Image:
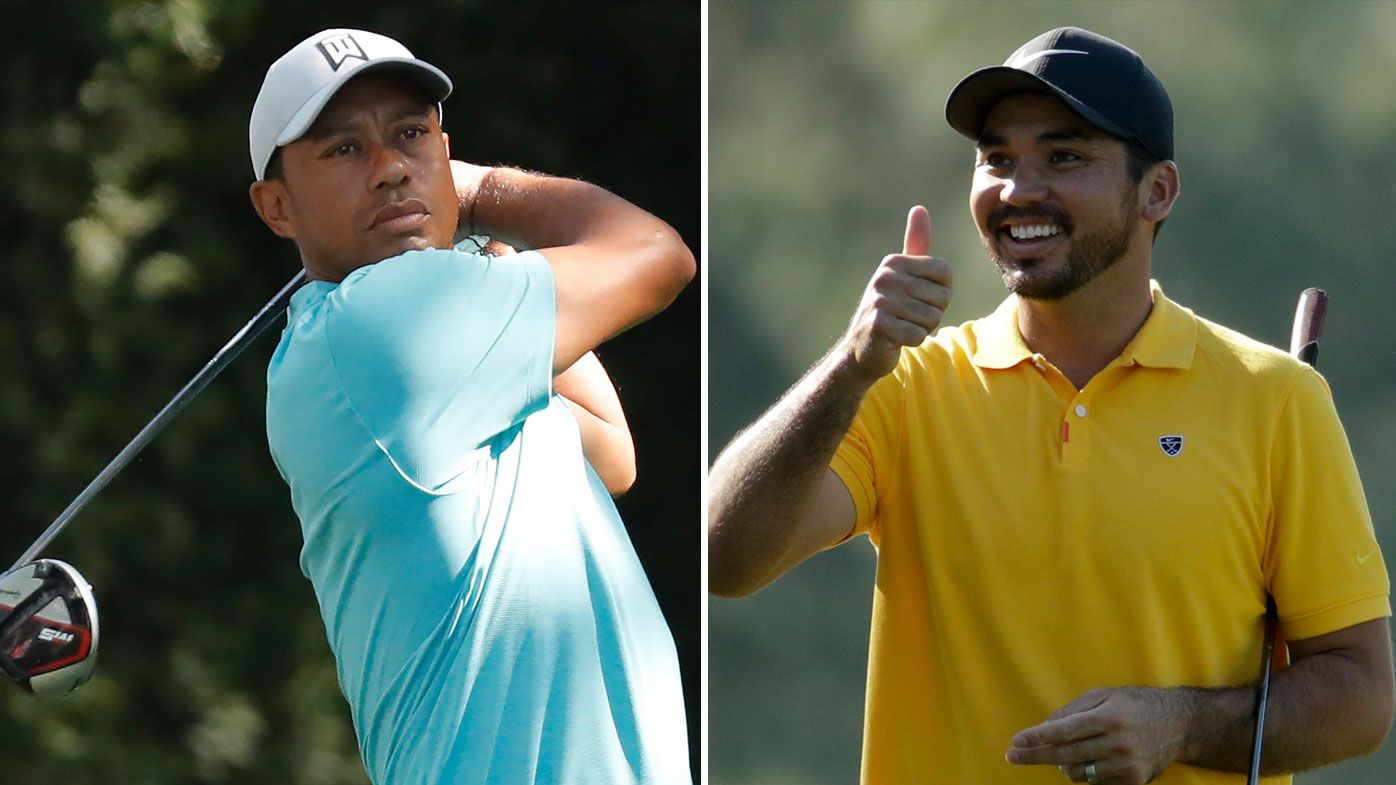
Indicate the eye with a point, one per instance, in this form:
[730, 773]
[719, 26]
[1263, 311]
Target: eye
[996, 160]
[414, 133]
[343, 148]
[1064, 157]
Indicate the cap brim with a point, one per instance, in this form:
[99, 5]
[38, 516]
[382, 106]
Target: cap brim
[437, 84]
[976, 95]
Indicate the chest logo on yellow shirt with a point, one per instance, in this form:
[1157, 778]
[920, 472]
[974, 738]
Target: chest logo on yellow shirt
[1171, 445]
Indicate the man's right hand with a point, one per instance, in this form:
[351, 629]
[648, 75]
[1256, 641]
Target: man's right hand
[773, 499]
[904, 303]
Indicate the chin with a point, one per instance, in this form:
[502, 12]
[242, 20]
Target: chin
[407, 243]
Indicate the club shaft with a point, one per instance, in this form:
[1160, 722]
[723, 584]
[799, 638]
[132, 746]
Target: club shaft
[240, 341]
[1262, 698]
[1303, 344]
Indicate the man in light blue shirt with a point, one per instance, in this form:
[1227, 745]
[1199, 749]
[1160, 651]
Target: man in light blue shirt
[490, 620]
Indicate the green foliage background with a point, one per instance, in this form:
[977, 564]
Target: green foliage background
[827, 123]
[131, 253]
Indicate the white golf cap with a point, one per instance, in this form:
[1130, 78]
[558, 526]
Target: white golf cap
[302, 82]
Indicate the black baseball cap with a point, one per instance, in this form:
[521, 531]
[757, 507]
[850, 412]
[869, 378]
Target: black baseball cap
[1102, 80]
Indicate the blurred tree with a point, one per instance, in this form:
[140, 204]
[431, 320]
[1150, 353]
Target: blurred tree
[826, 122]
[132, 253]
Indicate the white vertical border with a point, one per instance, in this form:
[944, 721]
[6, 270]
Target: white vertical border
[704, 261]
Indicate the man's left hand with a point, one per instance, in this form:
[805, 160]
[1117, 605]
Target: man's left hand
[1131, 734]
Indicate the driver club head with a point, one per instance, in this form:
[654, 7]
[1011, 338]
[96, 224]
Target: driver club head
[48, 627]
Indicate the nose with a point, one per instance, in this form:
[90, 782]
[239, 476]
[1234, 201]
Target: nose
[389, 167]
[1023, 186]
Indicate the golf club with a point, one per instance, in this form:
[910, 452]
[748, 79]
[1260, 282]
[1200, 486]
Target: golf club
[48, 614]
[48, 628]
[1303, 344]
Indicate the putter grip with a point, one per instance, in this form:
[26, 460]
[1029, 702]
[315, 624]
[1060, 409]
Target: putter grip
[1308, 324]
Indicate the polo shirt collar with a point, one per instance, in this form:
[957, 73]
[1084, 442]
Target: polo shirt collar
[998, 344]
[308, 295]
[1167, 339]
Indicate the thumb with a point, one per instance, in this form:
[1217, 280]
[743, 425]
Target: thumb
[918, 232]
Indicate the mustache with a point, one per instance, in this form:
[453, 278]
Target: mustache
[1046, 213]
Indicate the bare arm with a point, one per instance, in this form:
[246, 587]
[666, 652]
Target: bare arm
[605, 434]
[1332, 703]
[614, 265]
[1340, 682]
[773, 500]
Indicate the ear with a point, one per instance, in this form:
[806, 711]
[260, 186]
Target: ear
[272, 203]
[1160, 190]
[446, 140]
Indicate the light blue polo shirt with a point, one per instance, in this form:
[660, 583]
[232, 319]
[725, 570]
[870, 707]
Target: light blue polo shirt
[489, 617]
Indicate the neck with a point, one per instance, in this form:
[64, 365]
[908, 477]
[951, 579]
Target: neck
[1086, 330]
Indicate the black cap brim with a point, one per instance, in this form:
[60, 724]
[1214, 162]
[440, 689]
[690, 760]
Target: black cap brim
[976, 95]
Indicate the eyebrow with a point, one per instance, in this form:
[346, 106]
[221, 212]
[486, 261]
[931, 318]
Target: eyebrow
[1063, 135]
[324, 128]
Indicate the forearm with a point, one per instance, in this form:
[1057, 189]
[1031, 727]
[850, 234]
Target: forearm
[614, 265]
[763, 485]
[1332, 703]
[606, 439]
[1322, 710]
[531, 210]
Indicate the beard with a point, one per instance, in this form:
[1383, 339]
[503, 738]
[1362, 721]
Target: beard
[1091, 254]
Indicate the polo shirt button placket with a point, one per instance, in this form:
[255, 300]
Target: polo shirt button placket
[1075, 433]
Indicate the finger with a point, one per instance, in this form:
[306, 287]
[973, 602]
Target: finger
[907, 308]
[1088, 700]
[918, 232]
[900, 331]
[928, 292]
[1063, 730]
[1076, 772]
[1082, 752]
[929, 268]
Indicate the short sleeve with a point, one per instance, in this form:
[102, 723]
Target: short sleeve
[1325, 568]
[440, 351]
[864, 458]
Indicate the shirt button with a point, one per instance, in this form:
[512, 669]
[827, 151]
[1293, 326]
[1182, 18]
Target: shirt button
[1080, 410]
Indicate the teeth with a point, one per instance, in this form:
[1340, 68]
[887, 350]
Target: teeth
[1028, 232]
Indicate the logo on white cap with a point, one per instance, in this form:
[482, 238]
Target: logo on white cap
[301, 82]
[338, 48]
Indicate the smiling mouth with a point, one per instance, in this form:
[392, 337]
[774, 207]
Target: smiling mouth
[1032, 232]
[1027, 241]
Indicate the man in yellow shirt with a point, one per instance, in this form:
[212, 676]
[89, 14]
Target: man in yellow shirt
[1081, 501]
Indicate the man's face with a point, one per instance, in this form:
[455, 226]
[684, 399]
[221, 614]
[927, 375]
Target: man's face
[1051, 196]
[369, 180]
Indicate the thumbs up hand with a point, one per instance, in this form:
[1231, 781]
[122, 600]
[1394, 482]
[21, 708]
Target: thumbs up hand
[904, 303]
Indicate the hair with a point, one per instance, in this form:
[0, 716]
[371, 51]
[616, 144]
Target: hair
[1138, 159]
[274, 170]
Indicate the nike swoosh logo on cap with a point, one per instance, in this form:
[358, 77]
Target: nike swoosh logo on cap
[1019, 62]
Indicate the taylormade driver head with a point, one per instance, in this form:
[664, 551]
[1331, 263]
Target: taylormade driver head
[48, 627]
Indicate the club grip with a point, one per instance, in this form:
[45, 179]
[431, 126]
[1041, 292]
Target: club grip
[1308, 324]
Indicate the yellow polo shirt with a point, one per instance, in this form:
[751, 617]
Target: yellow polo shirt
[1035, 541]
